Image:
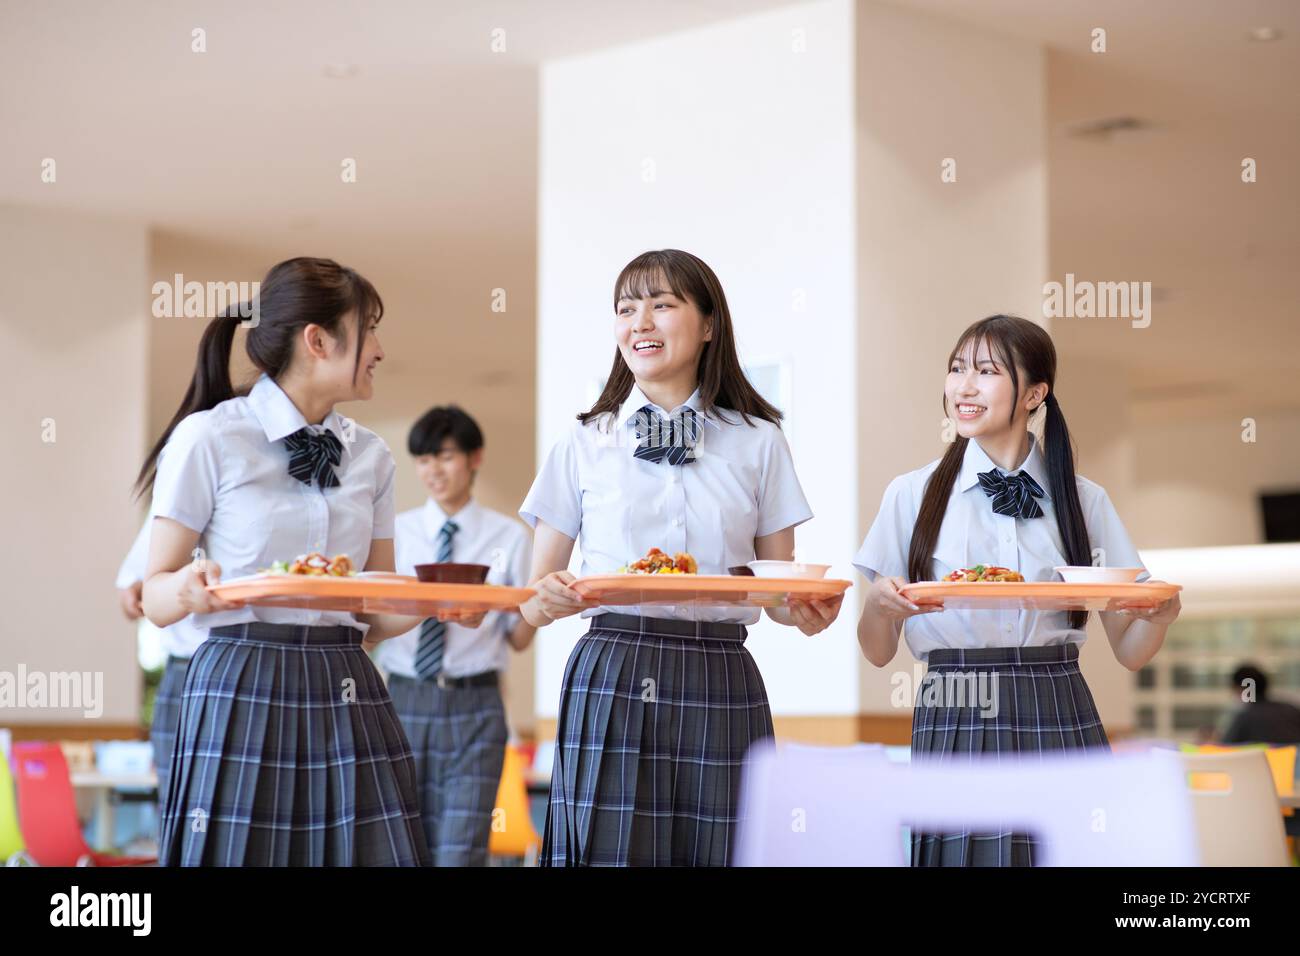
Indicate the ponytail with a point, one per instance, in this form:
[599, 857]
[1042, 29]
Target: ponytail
[1064, 489]
[209, 387]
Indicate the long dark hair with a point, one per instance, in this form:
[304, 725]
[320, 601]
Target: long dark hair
[722, 381]
[295, 293]
[1016, 345]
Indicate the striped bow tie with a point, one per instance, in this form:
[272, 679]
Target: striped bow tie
[666, 439]
[1013, 495]
[313, 457]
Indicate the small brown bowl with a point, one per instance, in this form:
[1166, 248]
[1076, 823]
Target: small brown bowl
[741, 571]
[451, 573]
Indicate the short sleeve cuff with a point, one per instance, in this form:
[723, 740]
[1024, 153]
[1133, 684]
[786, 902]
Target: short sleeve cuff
[781, 522]
[533, 511]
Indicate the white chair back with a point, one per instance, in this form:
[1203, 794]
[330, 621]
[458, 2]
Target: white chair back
[806, 807]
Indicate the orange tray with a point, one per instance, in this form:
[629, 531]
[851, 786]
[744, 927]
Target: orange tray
[373, 595]
[616, 590]
[1039, 595]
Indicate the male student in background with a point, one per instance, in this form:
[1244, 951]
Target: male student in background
[444, 678]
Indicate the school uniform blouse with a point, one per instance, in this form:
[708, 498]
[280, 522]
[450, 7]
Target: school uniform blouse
[181, 639]
[741, 486]
[225, 474]
[483, 536]
[972, 533]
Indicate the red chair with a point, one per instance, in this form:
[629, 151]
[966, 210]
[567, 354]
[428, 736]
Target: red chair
[47, 811]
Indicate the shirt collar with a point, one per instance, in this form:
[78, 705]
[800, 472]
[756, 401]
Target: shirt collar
[636, 401]
[279, 416]
[976, 460]
[466, 518]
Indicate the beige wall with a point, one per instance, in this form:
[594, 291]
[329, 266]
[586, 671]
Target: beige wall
[934, 256]
[1198, 482]
[72, 330]
[1150, 425]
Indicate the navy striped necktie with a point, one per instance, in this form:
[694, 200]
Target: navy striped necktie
[1013, 495]
[433, 632]
[666, 439]
[313, 456]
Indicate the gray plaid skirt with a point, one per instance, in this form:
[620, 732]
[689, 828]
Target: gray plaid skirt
[288, 753]
[998, 700]
[655, 719]
[167, 714]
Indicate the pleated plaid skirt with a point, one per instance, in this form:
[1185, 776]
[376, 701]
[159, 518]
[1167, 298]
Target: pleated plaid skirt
[998, 700]
[655, 719]
[167, 714]
[289, 753]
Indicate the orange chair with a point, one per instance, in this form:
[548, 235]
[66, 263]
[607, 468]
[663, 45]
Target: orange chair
[47, 811]
[513, 834]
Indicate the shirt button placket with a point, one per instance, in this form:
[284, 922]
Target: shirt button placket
[1008, 557]
[677, 503]
[320, 522]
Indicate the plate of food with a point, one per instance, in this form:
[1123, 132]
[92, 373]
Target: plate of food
[661, 578]
[993, 587]
[986, 572]
[315, 564]
[658, 562]
[332, 584]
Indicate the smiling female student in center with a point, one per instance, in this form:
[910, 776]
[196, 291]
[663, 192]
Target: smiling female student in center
[659, 704]
[997, 498]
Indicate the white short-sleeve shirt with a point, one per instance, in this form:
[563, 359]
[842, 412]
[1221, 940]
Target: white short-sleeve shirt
[225, 474]
[181, 639]
[741, 486]
[972, 533]
[486, 537]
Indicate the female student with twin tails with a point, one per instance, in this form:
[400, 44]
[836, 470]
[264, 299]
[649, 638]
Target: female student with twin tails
[659, 704]
[997, 498]
[288, 750]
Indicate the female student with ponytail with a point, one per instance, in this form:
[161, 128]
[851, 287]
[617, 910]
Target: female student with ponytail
[659, 704]
[997, 498]
[288, 750]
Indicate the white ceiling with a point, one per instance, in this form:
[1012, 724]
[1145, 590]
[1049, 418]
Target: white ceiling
[443, 129]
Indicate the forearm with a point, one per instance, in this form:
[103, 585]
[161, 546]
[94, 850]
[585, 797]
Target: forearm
[533, 614]
[160, 598]
[1138, 643]
[521, 635]
[878, 637]
[780, 614]
[384, 626]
